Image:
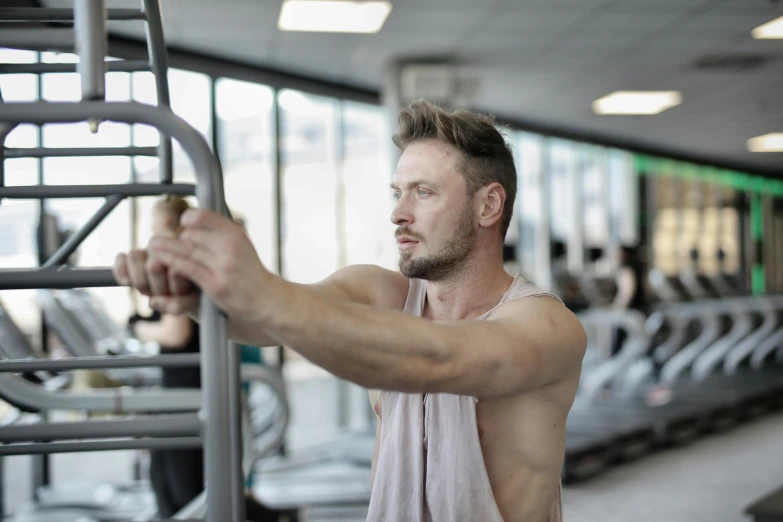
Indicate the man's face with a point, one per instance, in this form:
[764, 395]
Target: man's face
[435, 218]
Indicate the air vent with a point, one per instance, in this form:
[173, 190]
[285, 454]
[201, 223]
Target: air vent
[730, 62]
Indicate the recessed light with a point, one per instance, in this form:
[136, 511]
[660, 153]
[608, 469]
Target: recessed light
[637, 102]
[772, 142]
[771, 30]
[333, 16]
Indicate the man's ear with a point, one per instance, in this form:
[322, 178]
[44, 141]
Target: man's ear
[493, 201]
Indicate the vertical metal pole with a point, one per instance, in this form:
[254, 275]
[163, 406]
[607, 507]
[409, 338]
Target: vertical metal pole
[235, 420]
[217, 418]
[159, 65]
[215, 135]
[41, 475]
[279, 210]
[90, 26]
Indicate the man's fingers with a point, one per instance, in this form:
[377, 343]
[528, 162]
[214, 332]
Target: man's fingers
[157, 275]
[170, 305]
[182, 248]
[179, 285]
[120, 270]
[202, 219]
[187, 268]
[200, 242]
[136, 270]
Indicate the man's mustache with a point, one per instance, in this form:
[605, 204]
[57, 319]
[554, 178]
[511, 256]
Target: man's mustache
[407, 233]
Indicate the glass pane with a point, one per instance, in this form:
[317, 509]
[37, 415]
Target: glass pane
[367, 171]
[247, 147]
[595, 193]
[190, 99]
[530, 195]
[310, 239]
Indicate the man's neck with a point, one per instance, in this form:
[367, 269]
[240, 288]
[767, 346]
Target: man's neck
[469, 294]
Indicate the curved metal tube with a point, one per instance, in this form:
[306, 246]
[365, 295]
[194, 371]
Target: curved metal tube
[712, 356]
[634, 349]
[118, 400]
[772, 343]
[745, 348]
[683, 359]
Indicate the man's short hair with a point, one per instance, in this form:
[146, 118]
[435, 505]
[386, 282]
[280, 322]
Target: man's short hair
[487, 156]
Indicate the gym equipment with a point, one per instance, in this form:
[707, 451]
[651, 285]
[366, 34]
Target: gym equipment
[222, 433]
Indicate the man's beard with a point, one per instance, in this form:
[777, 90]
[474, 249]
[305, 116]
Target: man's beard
[443, 264]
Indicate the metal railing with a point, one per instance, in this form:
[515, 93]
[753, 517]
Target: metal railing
[219, 423]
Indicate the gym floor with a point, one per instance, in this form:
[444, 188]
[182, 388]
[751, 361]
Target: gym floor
[713, 479]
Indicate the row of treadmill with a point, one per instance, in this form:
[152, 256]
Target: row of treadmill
[701, 360]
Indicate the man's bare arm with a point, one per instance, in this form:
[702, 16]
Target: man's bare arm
[526, 344]
[360, 284]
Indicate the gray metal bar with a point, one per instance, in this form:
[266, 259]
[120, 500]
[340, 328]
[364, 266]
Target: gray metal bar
[101, 445]
[56, 279]
[235, 420]
[218, 454]
[63, 152]
[182, 425]
[54, 14]
[24, 394]
[209, 192]
[159, 63]
[38, 39]
[95, 191]
[73, 242]
[91, 46]
[44, 68]
[184, 360]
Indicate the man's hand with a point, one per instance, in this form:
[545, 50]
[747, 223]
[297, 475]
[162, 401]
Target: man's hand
[171, 293]
[216, 255]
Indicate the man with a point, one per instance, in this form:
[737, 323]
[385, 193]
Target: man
[478, 372]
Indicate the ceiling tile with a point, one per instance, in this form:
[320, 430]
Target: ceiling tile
[540, 23]
[722, 24]
[555, 6]
[636, 24]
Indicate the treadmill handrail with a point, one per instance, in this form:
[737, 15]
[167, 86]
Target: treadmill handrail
[769, 309]
[711, 357]
[634, 349]
[683, 359]
[770, 344]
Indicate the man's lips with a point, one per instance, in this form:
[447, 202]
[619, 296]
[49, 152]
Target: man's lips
[406, 242]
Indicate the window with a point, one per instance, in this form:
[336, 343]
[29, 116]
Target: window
[366, 173]
[309, 169]
[246, 148]
[596, 196]
[533, 231]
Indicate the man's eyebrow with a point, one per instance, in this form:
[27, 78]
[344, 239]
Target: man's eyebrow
[410, 184]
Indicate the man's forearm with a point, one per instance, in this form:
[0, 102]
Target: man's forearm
[371, 347]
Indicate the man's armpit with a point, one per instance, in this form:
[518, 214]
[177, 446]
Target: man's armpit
[375, 402]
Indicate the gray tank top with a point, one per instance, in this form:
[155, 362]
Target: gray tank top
[430, 466]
